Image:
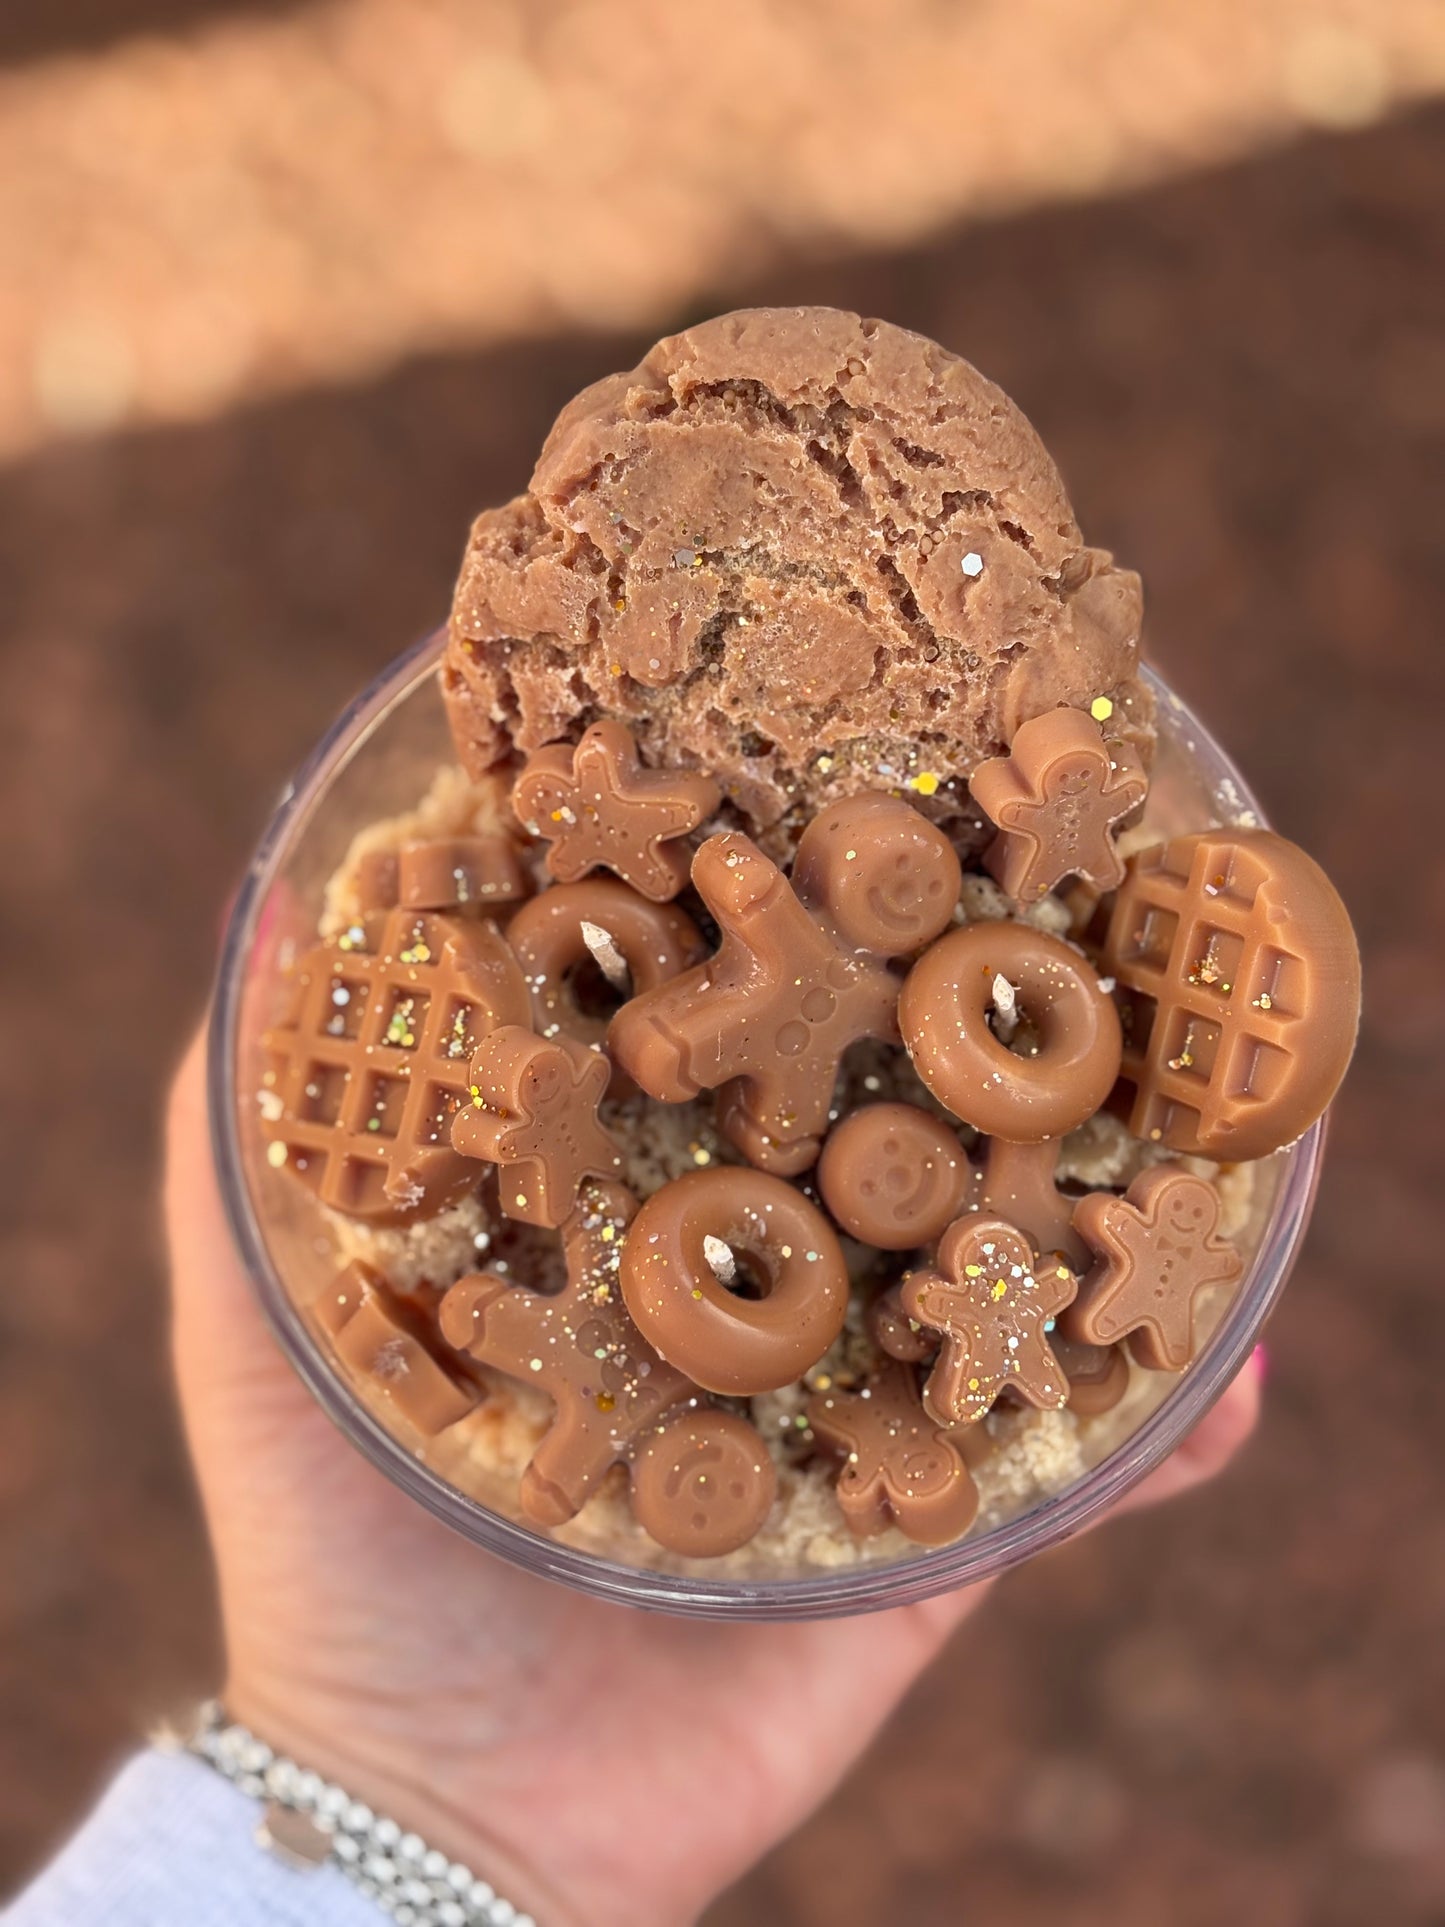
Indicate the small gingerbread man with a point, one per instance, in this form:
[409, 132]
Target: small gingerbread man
[601, 809]
[1156, 1249]
[991, 1302]
[534, 1113]
[1057, 799]
[802, 973]
[899, 1467]
[580, 1347]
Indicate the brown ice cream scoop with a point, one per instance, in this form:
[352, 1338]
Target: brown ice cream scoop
[600, 809]
[1019, 1183]
[636, 945]
[384, 1343]
[365, 1076]
[893, 1176]
[990, 1300]
[703, 1483]
[899, 1467]
[945, 1013]
[1057, 799]
[580, 1347]
[790, 548]
[533, 1112]
[1245, 982]
[724, 1225]
[1156, 1249]
[802, 973]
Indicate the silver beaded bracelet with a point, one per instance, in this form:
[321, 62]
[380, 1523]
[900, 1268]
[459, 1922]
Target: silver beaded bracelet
[307, 1823]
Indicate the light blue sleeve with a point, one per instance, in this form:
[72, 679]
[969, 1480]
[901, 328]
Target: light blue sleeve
[171, 1845]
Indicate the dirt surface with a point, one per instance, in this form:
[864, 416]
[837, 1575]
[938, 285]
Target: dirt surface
[204, 217]
[1236, 1710]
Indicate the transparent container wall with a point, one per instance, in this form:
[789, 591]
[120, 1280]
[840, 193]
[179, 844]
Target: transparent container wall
[378, 761]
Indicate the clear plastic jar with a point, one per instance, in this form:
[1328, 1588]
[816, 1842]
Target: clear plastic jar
[377, 760]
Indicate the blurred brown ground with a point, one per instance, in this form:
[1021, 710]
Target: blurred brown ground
[1232, 1711]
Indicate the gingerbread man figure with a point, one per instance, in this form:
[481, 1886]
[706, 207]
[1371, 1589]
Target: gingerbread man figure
[601, 809]
[534, 1114]
[1057, 799]
[802, 973]
[991, 1301]
[899, 1467]
[580, 1347]
[1157, 1248]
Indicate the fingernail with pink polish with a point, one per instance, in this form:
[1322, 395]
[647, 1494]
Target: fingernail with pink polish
[1259, 1359]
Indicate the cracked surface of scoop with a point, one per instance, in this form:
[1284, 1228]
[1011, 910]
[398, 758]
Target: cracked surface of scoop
[804, 552]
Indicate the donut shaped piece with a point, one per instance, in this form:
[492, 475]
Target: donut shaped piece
[724, 1342]
[703, 1483]
[944, 1016]
[894, 1176]
[657, 942]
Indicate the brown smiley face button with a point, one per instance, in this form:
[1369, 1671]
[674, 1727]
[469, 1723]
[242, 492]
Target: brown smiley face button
[945, 1013]
[601, 809]
[1158, 1247]
[679, 1251]
[893, 1176]
[702, 1483]
[1057, 799]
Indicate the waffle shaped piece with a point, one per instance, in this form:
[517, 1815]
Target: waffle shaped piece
[365, 1075]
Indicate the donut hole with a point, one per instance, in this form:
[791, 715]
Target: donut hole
[1019, 1034]
[752, 1278]
[591, 993]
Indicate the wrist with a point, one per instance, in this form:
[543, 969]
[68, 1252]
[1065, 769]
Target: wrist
[387, 1775]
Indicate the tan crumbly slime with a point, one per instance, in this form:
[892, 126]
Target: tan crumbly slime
[1031, 1454]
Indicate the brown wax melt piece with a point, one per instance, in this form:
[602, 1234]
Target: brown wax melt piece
[1098, 1375]
[703, 1483]
[580, 1347]
[653, 942]
[990, 1300]
[600, 809]
[895, 1333]
[455, 872]
[899, 1467]
[365, 1077]
[802, 973]
[893, 1176]
[789, 548]
[1157, 1248]
[1243, 953]
[534, 1113]
[1018, 1183]
[776, 1240]
[378, 881]
[1057, 799]
[945, 1011]
[371, 1332]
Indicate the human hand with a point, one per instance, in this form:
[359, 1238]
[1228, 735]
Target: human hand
[594, 1762]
